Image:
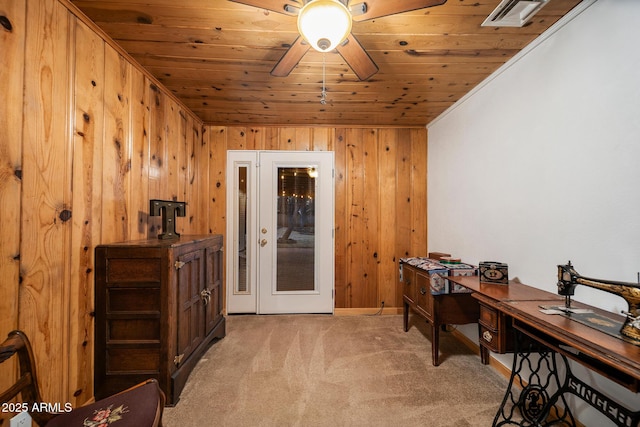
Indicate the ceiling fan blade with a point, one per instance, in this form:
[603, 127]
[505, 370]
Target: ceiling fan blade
[377, 8]
[357, 58]
[287, 7]
[291, 58]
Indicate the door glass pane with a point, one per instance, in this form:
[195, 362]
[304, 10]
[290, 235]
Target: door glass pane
[242, 281]
[296, 229]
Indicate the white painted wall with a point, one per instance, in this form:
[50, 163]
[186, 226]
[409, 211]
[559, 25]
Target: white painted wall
[541, 165]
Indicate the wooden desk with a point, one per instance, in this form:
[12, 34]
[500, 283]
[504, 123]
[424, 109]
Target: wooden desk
[494, 329]
[561, 338]
[437, 309]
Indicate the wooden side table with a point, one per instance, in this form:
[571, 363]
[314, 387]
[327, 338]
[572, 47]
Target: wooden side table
[437, 309]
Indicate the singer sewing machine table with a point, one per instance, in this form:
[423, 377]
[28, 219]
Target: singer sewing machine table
[557, 339]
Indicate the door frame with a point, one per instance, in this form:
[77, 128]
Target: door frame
[252, 300]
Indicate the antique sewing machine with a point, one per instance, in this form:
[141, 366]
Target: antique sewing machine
[568, 279]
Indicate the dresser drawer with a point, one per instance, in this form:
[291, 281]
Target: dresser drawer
[495, 332]
[491, 339]
[424, 299]
[489, 317]
[408, 283]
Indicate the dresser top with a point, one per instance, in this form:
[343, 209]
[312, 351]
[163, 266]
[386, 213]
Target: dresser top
[166, 243]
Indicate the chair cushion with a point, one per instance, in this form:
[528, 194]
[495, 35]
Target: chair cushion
[137, 407]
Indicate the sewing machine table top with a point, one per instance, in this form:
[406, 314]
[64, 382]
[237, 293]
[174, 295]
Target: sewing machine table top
[618, 359]
[580, 341]
[514, 291]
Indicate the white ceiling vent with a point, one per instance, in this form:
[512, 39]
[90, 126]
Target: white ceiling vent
[513, 13]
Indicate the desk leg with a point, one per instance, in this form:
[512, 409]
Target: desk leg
[435, 347]
[405, 316]
[532, 405]
[484, 355]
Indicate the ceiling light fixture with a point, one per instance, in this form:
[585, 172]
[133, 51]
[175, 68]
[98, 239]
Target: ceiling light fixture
[324, 24]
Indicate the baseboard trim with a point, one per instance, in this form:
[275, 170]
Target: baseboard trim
[366, 311]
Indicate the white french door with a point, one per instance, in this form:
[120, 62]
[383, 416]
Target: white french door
[280, 243]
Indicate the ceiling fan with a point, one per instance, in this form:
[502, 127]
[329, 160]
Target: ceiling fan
[317, 19]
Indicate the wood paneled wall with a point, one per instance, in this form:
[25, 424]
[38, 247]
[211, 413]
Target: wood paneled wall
[87, 138]
[381, 199]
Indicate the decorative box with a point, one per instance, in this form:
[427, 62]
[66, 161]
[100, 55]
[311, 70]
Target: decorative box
[449, 260]
[494, 272]
[437, 273]
[438, 281]
[460, 269]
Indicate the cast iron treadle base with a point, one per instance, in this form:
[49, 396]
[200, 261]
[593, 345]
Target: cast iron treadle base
[533, 405]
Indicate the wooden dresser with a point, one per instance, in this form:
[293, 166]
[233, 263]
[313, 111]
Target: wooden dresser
[158, 305]
[438, 307]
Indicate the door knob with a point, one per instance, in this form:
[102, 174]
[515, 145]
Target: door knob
[263, 242]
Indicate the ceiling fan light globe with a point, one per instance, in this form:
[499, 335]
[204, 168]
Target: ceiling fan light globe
[324, 24]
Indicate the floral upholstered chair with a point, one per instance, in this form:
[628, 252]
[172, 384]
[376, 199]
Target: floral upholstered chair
[138, 406]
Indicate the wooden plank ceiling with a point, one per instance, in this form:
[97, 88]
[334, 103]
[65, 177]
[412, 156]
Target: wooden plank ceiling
[216, 56]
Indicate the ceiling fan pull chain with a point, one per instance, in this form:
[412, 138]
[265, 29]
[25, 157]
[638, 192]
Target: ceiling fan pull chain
[323, 98]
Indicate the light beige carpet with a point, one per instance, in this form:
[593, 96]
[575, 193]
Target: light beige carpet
[321, 370]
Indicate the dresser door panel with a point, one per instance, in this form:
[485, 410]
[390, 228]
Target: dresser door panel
[190, 303]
